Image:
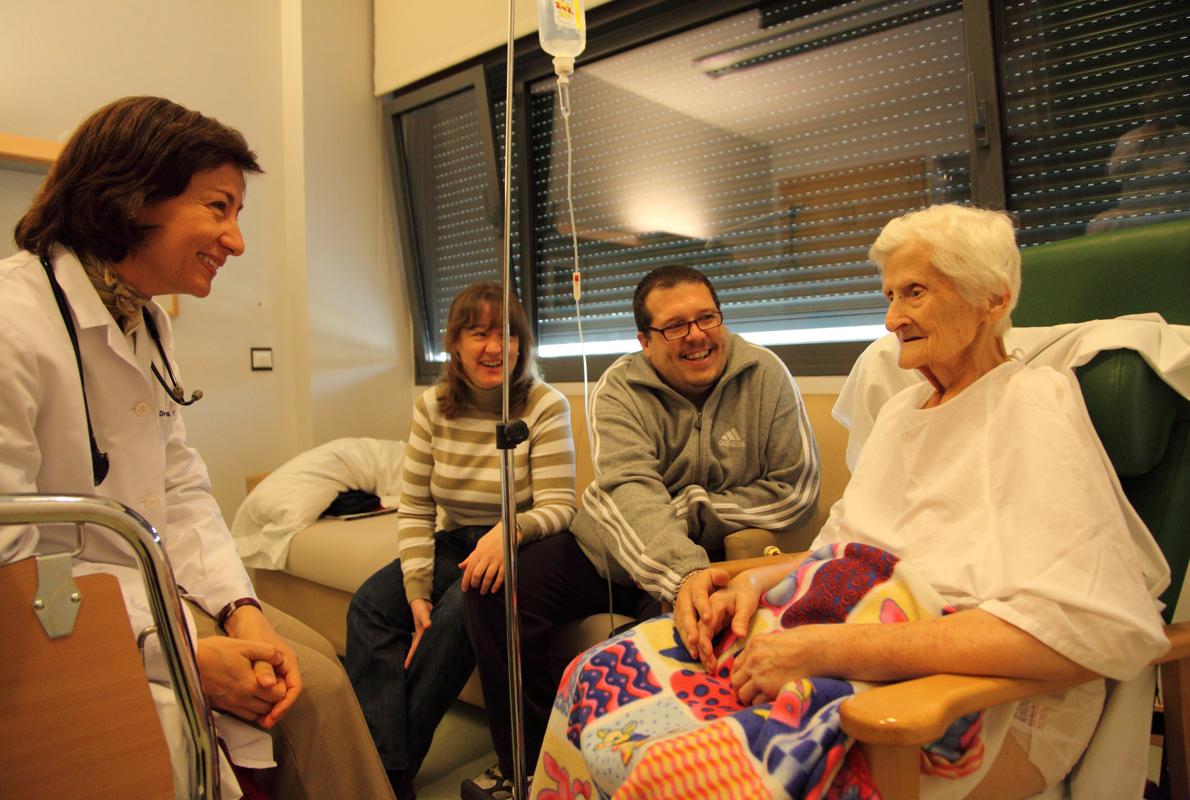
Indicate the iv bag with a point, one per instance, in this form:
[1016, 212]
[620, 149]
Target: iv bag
[562, 27]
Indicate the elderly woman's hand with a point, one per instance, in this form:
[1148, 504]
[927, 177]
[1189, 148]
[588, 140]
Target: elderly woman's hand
[773, 660]
[737, 601]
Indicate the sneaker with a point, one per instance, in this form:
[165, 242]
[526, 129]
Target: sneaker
[491, 784]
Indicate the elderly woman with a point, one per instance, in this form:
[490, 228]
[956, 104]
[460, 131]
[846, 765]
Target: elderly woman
[408, 654]
[982, 516]
[145, 200]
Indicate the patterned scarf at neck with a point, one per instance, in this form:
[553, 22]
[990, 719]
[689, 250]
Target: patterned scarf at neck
[121, 298]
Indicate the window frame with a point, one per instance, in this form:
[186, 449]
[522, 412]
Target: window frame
[469, 78]
[613, 28]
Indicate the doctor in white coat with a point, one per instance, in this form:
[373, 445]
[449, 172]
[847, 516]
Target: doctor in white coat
[143, 201]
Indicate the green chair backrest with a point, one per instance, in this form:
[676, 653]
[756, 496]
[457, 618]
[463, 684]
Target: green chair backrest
[1126, 271]
[1143, 424]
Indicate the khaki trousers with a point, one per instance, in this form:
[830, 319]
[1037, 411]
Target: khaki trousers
[322, 746]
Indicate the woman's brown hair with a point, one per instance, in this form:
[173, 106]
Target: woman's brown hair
[475, 305]
[127, 155]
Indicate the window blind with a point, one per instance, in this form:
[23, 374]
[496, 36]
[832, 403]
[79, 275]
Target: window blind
[766, 149]
[1095, 102]
[456, 224]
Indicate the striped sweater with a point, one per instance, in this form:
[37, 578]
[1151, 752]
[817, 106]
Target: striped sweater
[452, 475]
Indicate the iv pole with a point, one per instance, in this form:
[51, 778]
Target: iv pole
[510, 433]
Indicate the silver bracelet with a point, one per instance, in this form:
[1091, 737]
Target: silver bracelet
[685, 578]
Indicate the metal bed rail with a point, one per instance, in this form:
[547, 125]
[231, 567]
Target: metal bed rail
[164, 603]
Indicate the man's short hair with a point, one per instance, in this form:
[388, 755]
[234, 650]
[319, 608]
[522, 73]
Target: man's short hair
[664, 278]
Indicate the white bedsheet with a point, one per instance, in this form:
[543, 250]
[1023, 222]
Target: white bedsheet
[293, 495]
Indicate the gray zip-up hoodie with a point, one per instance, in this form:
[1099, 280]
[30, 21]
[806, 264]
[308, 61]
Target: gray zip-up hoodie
[671, 480]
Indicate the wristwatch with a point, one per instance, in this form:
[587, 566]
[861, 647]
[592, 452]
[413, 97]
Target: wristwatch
[232, 607]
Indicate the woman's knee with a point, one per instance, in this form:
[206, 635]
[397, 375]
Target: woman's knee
[380, 595]
[472, 605]
[450, 608]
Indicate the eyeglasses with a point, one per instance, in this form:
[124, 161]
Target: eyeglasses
[680, 330]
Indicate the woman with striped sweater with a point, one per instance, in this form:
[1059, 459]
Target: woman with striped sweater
[407, 650]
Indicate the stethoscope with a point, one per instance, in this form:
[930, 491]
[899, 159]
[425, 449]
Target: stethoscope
[100, 462]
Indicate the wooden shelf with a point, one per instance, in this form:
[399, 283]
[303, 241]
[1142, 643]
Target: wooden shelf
[36, 155]
[28, 151]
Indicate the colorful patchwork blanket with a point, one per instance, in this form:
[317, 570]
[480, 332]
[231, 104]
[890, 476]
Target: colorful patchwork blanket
[636, 717]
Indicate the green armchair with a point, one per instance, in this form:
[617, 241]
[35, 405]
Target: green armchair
[1143, 424]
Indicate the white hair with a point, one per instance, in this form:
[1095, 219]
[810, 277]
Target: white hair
[974, 247]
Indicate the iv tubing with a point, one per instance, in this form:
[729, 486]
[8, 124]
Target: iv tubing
[576, 287]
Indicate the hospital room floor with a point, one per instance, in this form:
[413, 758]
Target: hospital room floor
[462, 749]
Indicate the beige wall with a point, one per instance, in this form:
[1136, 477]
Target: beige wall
[414, 39]
[319, 282]
[359, 322]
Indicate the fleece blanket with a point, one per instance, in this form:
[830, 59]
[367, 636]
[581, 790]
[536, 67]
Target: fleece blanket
[636, 717]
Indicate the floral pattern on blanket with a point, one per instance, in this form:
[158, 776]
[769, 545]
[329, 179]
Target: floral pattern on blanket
[636, 717]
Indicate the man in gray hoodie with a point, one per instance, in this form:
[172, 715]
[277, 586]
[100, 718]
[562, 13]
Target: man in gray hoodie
[696, 436]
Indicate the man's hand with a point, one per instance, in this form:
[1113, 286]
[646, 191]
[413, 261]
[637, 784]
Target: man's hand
[693, 604]
[420, 609]
[483, 569]
[736, 602]
[230, 680]
[249, 624]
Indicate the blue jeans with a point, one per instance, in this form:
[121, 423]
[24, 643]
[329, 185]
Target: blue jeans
[556, 584]
[404, 707]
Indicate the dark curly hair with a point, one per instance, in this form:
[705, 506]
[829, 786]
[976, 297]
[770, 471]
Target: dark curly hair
[127, 155]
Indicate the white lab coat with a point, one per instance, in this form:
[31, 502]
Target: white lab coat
[44, 448]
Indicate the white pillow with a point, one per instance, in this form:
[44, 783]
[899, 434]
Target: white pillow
[294, 494]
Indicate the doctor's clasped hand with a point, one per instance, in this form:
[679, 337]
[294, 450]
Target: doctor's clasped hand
[278, 677]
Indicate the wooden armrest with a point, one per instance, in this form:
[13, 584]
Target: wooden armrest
[251, 480]
[916, 712]
[747, 543]
[1178, 634]
[734, 568]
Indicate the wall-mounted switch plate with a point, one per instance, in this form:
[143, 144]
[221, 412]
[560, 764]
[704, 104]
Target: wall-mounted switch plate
[262, 358]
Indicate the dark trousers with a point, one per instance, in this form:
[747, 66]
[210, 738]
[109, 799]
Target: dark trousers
[556, 584]
[404, 707]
